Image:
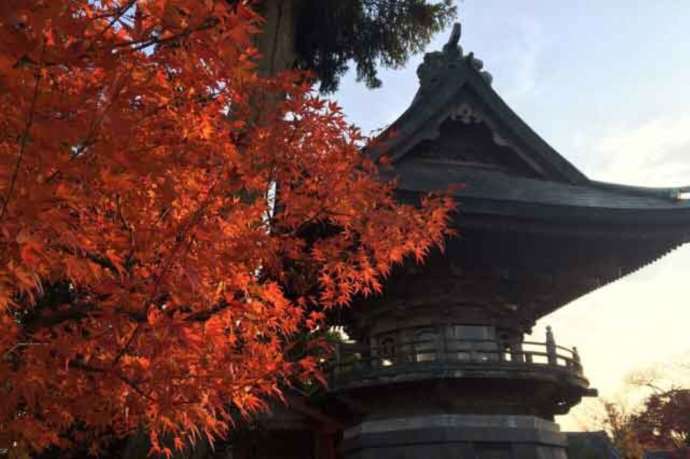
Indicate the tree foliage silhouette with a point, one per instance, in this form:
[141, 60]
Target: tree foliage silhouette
[146, 280]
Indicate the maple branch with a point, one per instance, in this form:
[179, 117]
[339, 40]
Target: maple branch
[96, 122]
[86, 367]
[76, 313]
[203, 316]
[49, 311]
[181, 236]
[119, 12]
[21, 345]
[25, 137]
[138, 45]
[125, 348]
[98, 259]
[128, 227]
[323, 215]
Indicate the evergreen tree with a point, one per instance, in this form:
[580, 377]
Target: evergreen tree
[327, 36]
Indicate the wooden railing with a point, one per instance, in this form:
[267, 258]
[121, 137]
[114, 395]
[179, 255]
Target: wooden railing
[353, 359]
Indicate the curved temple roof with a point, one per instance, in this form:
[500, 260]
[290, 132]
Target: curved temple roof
[458, 130]
[528, 202]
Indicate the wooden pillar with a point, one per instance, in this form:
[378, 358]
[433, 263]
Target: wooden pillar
[576, 360]
[516, 354]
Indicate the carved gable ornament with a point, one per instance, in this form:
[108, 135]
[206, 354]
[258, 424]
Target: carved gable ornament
[468, 138]
[456, 118]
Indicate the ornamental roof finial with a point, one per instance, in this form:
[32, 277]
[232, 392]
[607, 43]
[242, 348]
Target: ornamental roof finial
[454, 38]
[438, 65]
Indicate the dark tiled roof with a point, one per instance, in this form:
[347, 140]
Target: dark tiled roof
[487, 191]
[556, 189]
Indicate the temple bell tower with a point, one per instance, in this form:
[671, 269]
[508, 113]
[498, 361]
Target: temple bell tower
[438, 366]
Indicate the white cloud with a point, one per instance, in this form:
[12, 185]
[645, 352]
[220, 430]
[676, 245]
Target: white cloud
[523, 55]
[656, 153]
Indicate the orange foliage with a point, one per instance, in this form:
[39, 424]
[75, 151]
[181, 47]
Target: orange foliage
[145, 279]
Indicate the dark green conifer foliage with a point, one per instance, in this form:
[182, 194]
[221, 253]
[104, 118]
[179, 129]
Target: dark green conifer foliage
[331, 34]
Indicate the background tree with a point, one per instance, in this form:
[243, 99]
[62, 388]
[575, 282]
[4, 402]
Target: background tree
[618, 423]
[653, 412]
[326, 36]
[145, 281]
[664, 421]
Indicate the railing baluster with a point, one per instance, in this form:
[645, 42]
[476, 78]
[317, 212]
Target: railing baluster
[367, 359]
[550, 347]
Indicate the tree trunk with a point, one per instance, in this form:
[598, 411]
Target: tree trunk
[277, 41]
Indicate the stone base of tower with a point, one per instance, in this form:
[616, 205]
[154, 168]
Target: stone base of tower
[456, 437]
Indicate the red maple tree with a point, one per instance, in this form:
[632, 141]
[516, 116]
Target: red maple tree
[169, 220]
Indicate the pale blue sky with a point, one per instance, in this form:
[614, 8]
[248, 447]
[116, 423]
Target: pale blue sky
[606, 83]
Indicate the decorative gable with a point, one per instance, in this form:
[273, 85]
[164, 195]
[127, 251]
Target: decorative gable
[457, 118]
[467, 139]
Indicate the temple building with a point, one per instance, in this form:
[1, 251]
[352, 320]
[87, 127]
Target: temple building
[438, 366]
